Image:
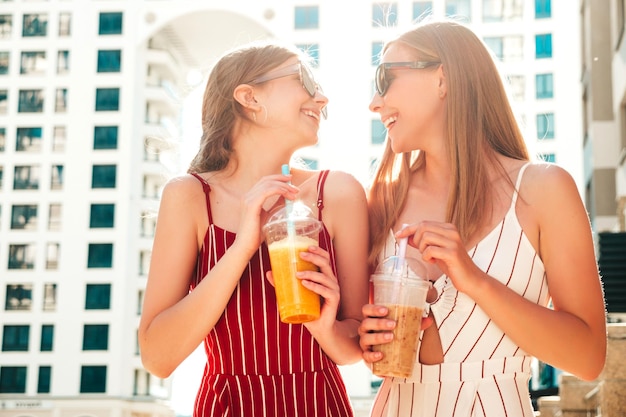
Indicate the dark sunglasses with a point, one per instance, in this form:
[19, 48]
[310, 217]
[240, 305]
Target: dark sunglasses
[383, 80]
[306, 79]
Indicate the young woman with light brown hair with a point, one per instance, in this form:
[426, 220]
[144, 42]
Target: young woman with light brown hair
[509, 240]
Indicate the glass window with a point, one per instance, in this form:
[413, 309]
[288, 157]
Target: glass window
[3, 136]
[107, 99]
[47, 337]
[313, 52]
[96, 337]
[543, 46]
[502, 10]
[4, 62]
[59, 138]
[384, 14]
[517, 86]
[422, 9]
[548, 157]
[543, 9]
[459, 9]
[379, 133]
[103, 176]
[26, 177]
[60, 102]
[545, 126]
[15, 338]
[22, 256]
[377, 50]
[110, 23]
[56, 177]
[6, 25]
[4, 101]
[24, 217]
[28, 139]
[93, 378]
[63, 62]
[43, 381]
[49, 297]
[52, 255]
[19, 297]
[306, 17]
[102, 215]
[30, 101]
[105, 137]
[100, 255]
[98, 297]
[65, 20]
[33, 63]
[12, 380]
[109, 61]
[35, 25]
[544, 86]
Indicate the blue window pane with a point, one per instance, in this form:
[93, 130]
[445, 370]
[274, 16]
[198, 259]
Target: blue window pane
[43, 382]
[105, 137]
[34, 25]
[459, 9]
[545, 126]
[95, 337]
[103, 176]
[109, 61]
[377, 48]
[110, 23]
[13, 380]
[100, 255]
[107, 99]
[548, 157]
[310, 163]
[102, 215]
[422, 9]
[379, 133]
[312, 50]
[47, 338]
[306, 17]
[93, 379]
[15, 338]
[98, 297]
[544, 86]
[384, 14]
[543, 46]
[543, 9]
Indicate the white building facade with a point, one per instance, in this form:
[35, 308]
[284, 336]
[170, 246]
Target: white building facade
[92, 94]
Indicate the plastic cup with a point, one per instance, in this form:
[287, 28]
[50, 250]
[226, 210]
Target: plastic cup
[289, 231]
[402, 289]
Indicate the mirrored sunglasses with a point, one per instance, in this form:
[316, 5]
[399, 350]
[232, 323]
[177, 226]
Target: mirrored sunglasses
[383, 80]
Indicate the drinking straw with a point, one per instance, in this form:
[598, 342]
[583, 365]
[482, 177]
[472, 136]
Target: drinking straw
[402, 244]
[291, 228]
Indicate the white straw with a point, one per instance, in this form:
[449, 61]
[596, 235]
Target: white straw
[402, 244]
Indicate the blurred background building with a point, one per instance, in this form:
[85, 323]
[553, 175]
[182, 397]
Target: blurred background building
[99, 107]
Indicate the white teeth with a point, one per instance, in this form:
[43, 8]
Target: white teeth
[389, 121]
[312, 114]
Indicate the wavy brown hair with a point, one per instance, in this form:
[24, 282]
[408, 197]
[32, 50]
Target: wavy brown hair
[480, 124]
[220, 110]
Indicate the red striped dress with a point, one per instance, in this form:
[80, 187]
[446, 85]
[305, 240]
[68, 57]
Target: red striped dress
[484, 373]
[257, 365]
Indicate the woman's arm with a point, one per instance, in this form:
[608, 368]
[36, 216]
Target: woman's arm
[345, 216]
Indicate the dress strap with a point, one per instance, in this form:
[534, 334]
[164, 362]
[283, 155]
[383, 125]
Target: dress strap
[321, 179]
[518, 182]
[207, 189]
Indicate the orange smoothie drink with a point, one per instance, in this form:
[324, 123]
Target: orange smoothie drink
[296, 304]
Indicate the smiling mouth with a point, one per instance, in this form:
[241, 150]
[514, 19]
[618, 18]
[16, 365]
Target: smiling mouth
[388, 122]
[312, 114]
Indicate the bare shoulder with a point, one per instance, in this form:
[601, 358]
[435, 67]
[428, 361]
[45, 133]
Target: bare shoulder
[549, 183]
[183, 193]
[342, 185]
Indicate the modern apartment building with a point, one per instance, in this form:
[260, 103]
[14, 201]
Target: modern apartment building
[93, 104]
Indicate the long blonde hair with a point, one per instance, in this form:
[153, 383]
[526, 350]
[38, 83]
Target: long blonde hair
[480, 124]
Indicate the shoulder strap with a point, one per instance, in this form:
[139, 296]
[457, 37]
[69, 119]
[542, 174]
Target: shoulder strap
[518, 182]
[207, 189]
[321, 179]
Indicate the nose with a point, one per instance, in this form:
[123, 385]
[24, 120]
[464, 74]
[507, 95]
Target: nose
[376, 103]
[322, 100]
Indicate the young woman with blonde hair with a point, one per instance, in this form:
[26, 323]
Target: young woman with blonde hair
[509, 240]
[207, 281]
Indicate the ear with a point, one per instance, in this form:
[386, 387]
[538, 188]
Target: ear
[244, 94]
[443, 85]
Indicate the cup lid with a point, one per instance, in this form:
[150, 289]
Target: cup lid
[395, 267]
[299, 213]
